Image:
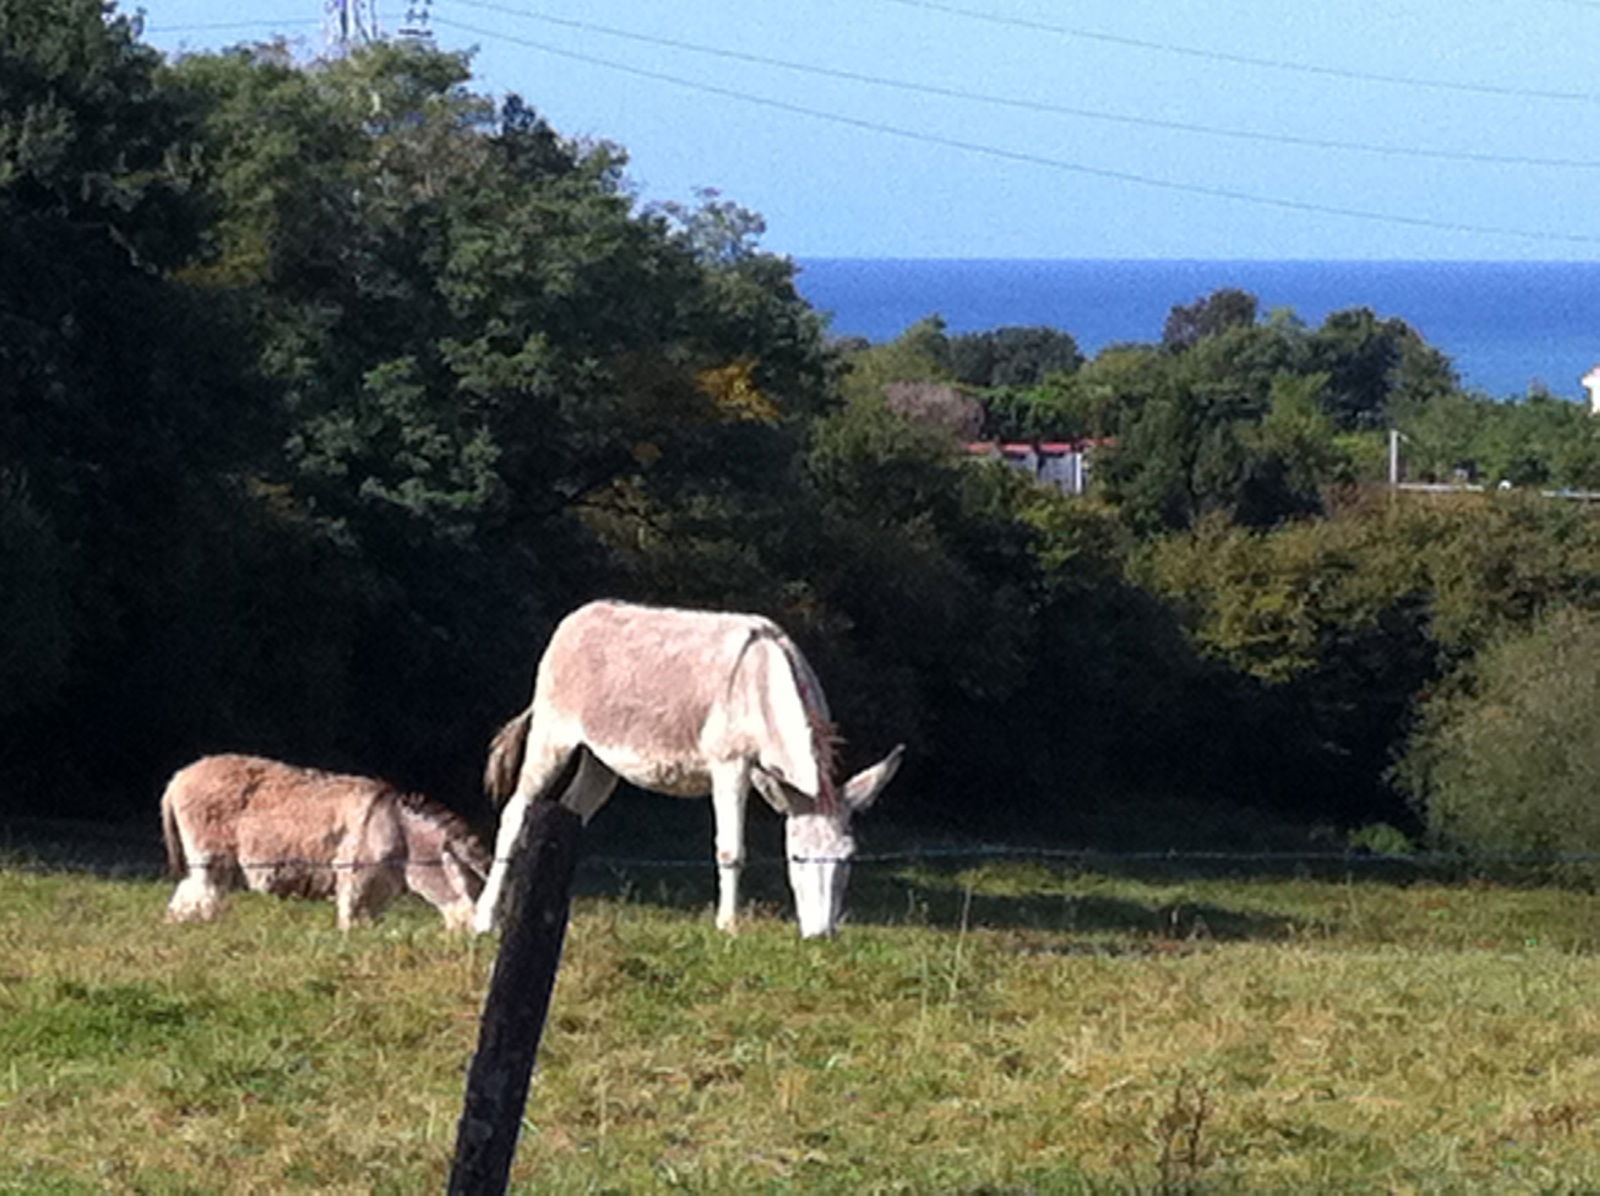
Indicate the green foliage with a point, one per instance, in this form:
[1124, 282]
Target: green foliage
[1229, 424]
[1347, 620]
[1293, 454]
[1381, 839]
[917, 355]
[1506, 760]
[1210, 315]
[36, 643]
[126, 401]
[308, 477]
[493, 369]
[1011, 357]
[1243, 417]
[718, 231]
[921, 574]
[1026, 415]
[86, 141]
[1373, 363]
[1539, 440]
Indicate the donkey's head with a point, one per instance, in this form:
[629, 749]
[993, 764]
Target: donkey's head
[445, 863]
[818, 841]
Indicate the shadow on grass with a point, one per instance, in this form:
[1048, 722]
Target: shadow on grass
[627, 840]
[1089, 914]
[883, 896]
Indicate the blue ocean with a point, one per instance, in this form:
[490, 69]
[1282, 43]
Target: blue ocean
[1507, 326]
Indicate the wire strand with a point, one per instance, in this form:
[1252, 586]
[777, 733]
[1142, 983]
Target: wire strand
[215, 26]
[1232, 59]
[1041, 106]
[1082, 857]
[1304, 206]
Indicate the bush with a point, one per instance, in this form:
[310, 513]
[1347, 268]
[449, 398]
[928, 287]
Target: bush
[1507, 761]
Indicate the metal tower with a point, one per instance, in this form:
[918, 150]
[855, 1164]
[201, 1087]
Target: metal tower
[348, 23]
[415, 23]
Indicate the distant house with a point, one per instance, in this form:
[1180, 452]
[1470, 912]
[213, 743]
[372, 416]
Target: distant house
[1063, 464]
[1591, 383]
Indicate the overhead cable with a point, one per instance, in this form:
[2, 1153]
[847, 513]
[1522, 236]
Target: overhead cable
[1277, 64]
[1040, 106]
[215, 26]
[991, 151]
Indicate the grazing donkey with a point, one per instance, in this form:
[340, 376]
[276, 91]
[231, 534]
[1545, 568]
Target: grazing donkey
[298, 832]
[685, 703]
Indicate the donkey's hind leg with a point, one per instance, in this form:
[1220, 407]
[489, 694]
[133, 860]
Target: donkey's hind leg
[199, 895]
[549, 773]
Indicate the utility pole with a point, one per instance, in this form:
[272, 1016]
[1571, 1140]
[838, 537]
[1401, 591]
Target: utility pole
[349, 23]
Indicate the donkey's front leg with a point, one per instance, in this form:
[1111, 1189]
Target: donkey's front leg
[730, 784]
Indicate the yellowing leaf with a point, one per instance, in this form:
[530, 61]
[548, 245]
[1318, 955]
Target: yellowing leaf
[733, 390]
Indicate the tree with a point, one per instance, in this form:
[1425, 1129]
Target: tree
[1012, 357]
[918, 584]
[1371, 363]
[1218, 427]
[128, 411]
[936, 403]
[1507, 760]
[1293, 454]
[917, 355]
[1060, 409]
[1210, 315]
[499, 378]
[323, 388]
[35, 607]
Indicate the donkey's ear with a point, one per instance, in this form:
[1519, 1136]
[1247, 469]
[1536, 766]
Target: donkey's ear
[773, 791]
[861, 790]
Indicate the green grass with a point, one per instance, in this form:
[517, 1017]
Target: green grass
[1012, 1028]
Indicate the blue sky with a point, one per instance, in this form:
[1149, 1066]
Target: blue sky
[1415, 129]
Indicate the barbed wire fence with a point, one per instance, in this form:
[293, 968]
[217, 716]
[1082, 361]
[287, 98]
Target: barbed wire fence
[136, 854]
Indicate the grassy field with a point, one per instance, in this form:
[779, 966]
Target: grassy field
[1011, 1028]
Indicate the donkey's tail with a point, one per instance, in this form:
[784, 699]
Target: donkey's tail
[470, 854]
[505, 757]
[169, 830]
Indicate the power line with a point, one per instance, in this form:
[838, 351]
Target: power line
[1030, 158]
[217, 26]
[1041, 106]
[1277, 64]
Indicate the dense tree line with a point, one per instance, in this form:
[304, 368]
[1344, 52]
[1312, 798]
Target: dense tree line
[325, 389]
[1338, 631]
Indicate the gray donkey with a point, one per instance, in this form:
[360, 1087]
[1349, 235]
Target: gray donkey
[300, 832]
[685, 703]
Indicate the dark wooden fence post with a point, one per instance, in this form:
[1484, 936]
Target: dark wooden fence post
[537, 901]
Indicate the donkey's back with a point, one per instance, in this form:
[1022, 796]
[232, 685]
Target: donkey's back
[645, 676]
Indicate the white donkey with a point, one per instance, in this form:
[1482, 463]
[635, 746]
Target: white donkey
[685, 703]
[301, 832]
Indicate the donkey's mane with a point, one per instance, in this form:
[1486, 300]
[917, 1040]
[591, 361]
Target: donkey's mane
[455, 827]
[825, 741]
[825, 738]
